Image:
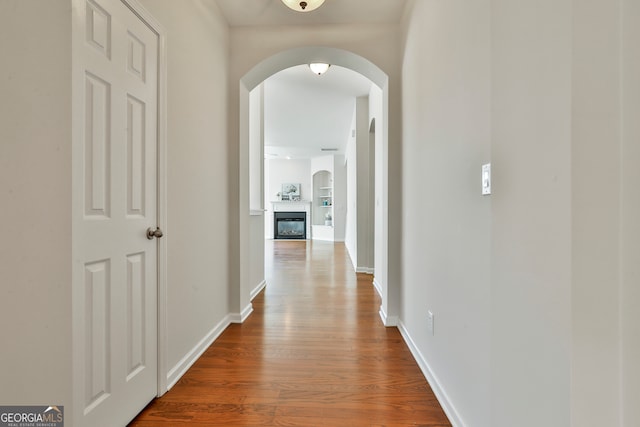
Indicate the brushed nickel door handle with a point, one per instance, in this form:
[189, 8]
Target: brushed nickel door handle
[151, 233]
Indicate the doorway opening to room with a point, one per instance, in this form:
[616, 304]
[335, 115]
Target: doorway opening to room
[308, 150]
[313, 132]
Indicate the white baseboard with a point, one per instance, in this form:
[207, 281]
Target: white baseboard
[241, 317]
[432, 379]
[383, 315]
[366, 270]
[254, 293]
[388, 321]
[190, 358]
[376, 285]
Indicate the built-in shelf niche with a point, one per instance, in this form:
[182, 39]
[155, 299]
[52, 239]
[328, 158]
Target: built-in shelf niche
[322, 198]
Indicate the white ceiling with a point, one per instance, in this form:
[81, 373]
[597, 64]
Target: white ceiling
[305, 112]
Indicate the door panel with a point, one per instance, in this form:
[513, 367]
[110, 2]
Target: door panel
[97, 354]
[135, 157]
[97, 145]
[115, 265]
[136, 285]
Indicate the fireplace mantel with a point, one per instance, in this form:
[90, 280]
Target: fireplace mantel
[291, 206]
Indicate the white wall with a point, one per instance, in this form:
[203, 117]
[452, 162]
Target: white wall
[296, 171]
[531, 213]
[489, 82]
[35, 200]
[256, 148]
[630, 229]
[538, 282]
[376, 118]
[605, 374]
[365, 190]
[198, 171]
[257, 253]
[339, 197]
[351, 231]
[359, 220]
[596, 214]
[606, 135]
[446, 221]
[322, 163]
[257, 202]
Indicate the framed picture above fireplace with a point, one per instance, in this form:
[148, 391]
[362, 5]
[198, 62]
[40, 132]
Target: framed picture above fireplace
[291, 191]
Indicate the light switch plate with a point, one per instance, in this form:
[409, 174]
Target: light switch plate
[486, 179]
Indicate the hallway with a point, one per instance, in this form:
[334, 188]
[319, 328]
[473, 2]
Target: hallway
[313, 353]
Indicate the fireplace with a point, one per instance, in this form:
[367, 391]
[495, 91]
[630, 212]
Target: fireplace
[290, 225]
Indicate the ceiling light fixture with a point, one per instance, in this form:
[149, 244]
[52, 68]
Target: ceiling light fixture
[303, 6]
[319, 68]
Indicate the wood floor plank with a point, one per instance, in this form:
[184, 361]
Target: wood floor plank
[313, 353]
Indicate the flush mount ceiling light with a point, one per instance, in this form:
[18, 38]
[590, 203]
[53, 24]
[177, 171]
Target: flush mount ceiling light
[304, 5]
[319, 68]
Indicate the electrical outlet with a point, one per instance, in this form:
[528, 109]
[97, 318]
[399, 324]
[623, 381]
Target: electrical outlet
[430, 321]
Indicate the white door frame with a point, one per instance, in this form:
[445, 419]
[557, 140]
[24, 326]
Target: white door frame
[77, 134]
[157, 28]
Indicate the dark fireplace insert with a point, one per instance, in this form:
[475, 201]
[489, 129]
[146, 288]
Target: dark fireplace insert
[290, 225]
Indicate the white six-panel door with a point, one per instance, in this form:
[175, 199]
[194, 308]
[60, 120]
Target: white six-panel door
[114, 203]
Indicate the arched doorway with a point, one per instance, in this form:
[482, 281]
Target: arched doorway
[240, 298]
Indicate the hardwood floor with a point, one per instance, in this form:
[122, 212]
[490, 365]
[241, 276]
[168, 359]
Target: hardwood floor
[313, 353]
